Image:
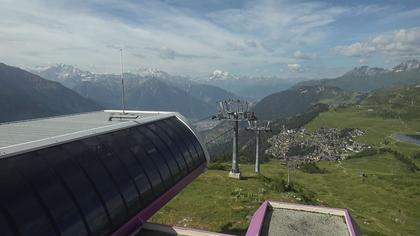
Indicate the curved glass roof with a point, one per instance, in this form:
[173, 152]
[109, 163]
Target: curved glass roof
[96, 183]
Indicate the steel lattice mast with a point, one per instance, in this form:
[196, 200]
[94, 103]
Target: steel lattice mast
[236, 111]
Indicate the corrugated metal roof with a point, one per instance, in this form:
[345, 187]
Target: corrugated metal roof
[21, 136]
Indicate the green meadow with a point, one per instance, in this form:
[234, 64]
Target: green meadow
[386, 201]
[380, 191]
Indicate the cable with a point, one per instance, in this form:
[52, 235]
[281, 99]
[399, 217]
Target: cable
[206, 118]
[213, 139]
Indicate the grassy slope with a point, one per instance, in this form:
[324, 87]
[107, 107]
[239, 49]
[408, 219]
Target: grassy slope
[378, 129]
[391, 196]
[210, 202]
[386, 202]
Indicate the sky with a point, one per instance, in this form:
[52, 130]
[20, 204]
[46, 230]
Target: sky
[285, 39]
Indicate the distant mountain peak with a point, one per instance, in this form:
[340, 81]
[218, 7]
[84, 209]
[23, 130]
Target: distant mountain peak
[363, 71]
[64, 71]
[152, 72]
[407, 65]
[222, 75]
[65, 67]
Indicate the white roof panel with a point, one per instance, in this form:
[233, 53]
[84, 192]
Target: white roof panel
[22, 136]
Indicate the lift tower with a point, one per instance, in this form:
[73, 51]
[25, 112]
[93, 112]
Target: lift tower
[257, 127]
[235, 110]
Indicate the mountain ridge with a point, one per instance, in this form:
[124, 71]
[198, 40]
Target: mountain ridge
[25, 95]
[105, 89]
[368, 79]
[291, 102]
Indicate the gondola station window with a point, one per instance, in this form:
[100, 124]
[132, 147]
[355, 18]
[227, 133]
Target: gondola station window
[97, 173]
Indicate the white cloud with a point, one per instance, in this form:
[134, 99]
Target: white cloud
[400, 43]
[280, 21]
[303, 56]
[88, 34]
[363, 61]
[295, 68]
[166, 53]
[251, 43]
[37, 33]
[355, 50]
[234, 46]
[169, 53]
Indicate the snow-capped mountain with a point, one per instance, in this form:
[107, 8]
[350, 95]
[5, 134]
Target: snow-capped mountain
[63, 72]
[364, 71]
[408, 65]
[364, 78]
[251, 87]
[152, 73]
[145, 89]
[222, 75]
[67, 75]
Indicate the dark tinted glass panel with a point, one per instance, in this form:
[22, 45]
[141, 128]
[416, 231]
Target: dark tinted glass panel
[180, 142]
[20, 202]
[172, 143]
[119, 172]
[194, 139]
[82, 190]
[103, 182]
[53, 194]
[150, 168]
[153, 153]
[123, 142]
[156, 136]
[6, 228]
[181, 130]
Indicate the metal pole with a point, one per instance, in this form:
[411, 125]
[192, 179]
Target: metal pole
[288, 170]
[257, 153]
[235, 168]
[122, 83]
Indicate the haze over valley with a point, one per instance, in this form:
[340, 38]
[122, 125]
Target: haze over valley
[227, 116]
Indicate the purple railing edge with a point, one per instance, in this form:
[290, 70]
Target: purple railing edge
[202, 231]
[257, 220]
[351, 224]
[138, 220]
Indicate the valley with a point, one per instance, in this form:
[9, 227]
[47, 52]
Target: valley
[211, 118]
[380, 189]
[345, 141]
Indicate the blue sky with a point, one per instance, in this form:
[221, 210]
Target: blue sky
[287, 39]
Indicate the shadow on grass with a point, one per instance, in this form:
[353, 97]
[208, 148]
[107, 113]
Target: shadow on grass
[227, 229]
[248, 177]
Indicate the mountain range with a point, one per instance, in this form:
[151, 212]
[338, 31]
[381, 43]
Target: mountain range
[252, 88]
[145, 89]
[152, 89]
[24, 95]
[351, 87]
[294, 101]
[366, 79]
[395, 92]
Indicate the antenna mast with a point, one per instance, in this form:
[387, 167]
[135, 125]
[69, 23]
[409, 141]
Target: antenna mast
[122, 83]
